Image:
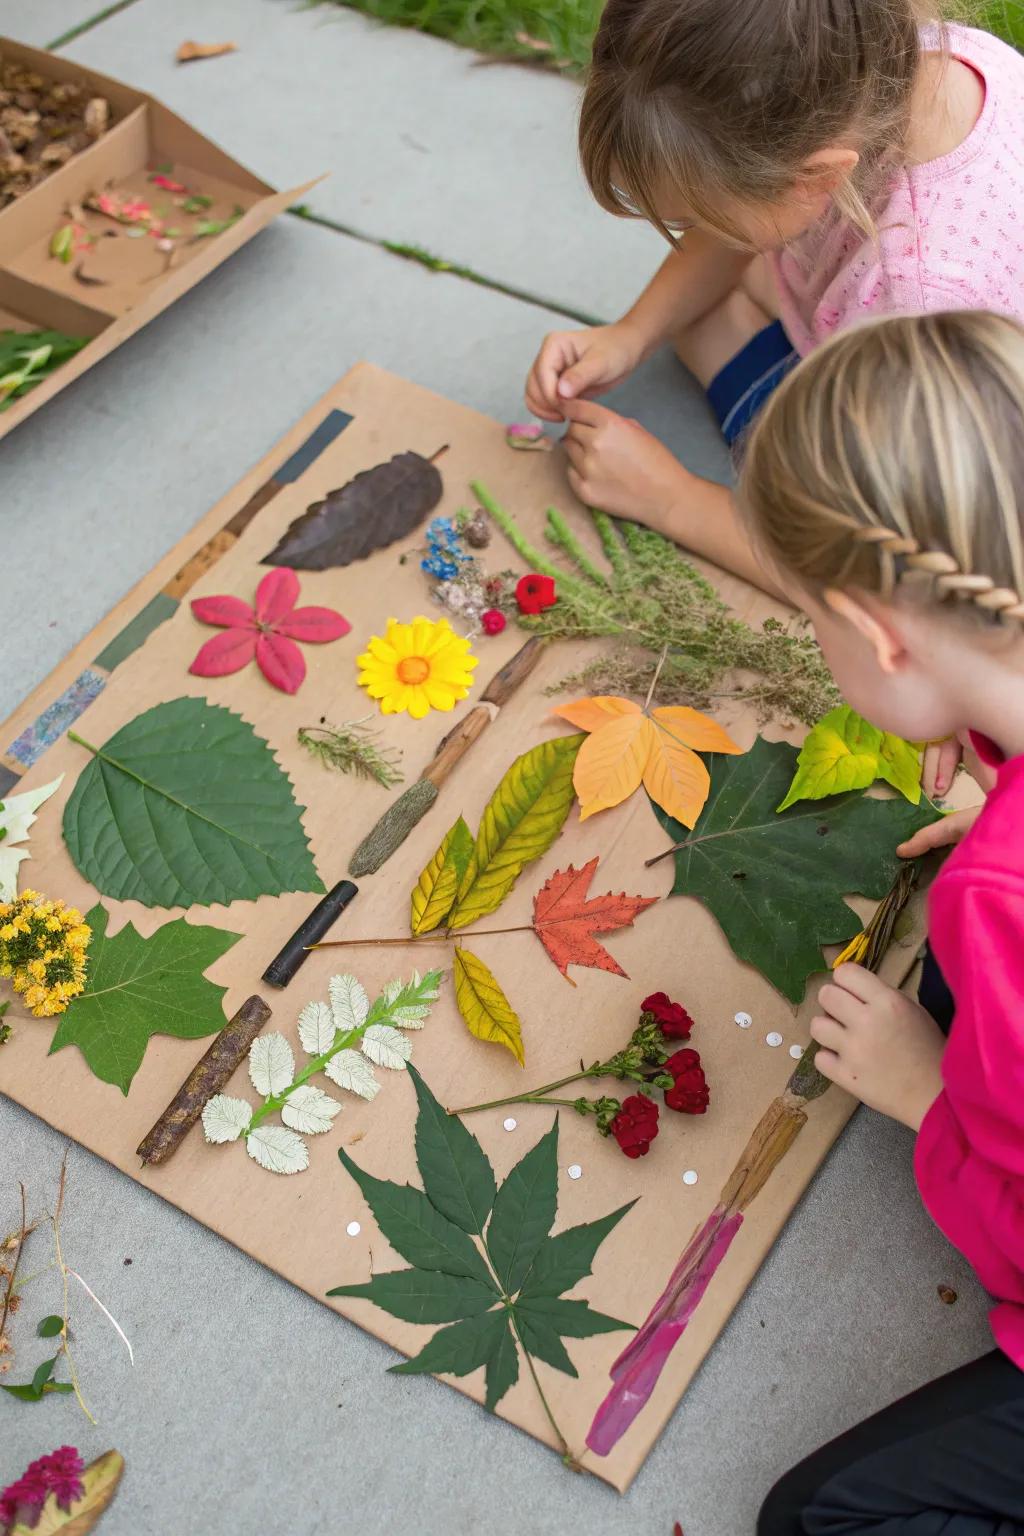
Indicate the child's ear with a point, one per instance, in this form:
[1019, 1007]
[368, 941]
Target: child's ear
[826, 168]
[887, 646]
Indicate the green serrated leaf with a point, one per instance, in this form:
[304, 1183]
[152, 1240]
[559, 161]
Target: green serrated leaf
[564, 1260]
[520, 822]
[49, 1327]
[140, 987]
[776, 882]
[845, 752]
[541, 1340]
[423, 1295]
[524, 1212]
[437, 887]
[502, 1367]
[457, 1176]
[460, 1349]
[187, 806]
[571, 1319]
[487, 1011]
[422, 1235]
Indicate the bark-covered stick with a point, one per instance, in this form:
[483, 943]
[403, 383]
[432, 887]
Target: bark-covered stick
[207, 1077]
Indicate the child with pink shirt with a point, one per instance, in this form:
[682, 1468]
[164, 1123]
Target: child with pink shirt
[884, 487]
[813, 163]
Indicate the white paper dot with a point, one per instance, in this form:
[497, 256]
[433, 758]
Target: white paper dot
[510, 1124]
[690, 1176]
[773, 1038]
[796, 1051]
[574, 1171]
[743, 1020]
[353, 1229]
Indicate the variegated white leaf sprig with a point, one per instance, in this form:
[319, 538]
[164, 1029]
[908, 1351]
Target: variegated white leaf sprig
[345, 1040]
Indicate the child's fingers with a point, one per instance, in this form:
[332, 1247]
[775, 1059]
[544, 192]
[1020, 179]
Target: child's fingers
[539, 403]
[575, 453]
[939, 834]
[839, 1004]
[586, 413]
[579, 486]
[856, 982]
[939, 764]
[827, 1032]
[828, 1064]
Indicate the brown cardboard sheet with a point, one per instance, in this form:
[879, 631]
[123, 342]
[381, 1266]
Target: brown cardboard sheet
[297, 1225]
[124, 281]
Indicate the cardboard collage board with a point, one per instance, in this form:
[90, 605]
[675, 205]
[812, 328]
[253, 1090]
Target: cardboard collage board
[298, 1226]
[127, 281]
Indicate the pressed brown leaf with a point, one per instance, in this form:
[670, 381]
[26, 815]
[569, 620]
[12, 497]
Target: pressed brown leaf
[100, 1480]
[565, 921]
[374, 509]
[189, 51]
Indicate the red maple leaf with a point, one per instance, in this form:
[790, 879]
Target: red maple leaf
[566, 922]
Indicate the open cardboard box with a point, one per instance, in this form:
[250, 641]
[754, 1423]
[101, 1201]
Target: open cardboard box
[124, 281]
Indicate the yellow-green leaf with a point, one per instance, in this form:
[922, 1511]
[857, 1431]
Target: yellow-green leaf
[436, 889]
[484, 1006]
[99, 1480]
[521, 821]
[844, 751]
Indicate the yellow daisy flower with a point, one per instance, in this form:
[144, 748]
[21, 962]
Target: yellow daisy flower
[417, 667]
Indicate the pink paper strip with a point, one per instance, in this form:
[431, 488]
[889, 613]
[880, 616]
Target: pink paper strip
[636, 1371]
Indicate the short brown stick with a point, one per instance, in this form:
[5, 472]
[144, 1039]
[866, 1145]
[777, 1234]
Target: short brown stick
[207, 1077]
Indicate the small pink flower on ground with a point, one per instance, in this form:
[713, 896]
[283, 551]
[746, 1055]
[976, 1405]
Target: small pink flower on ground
[265, 634]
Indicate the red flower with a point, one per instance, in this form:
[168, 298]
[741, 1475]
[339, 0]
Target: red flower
[672, 1018]
[689, 1094]
[535, 592]
[59, 1473]
[492, 622]
[64, 1468]
[267, 633]
[636, 1125]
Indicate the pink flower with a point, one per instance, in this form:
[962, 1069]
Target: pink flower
[64, 1473]
[59, 1473]
[492, 621]
[167, 182]
[266, 634]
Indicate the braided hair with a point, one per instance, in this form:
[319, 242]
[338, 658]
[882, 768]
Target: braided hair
[893, 459]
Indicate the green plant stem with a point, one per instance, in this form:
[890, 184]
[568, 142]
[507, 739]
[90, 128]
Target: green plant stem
[610, 541]
[536, 1097]
[522, 546]
[316, 1064]
[425, 938]
[560, 534]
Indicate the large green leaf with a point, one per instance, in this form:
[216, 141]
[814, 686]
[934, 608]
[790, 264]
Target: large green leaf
[520, 822]
[542, 1341]
[775, 881]
[416, 1230]
[457, 1177]
[524, 1210]
[423, 1295]
[140, 987]
[572, 1319]
[564, 1260]
[187, 806]
[844, 751]
[502, 1366]
[462, 1348]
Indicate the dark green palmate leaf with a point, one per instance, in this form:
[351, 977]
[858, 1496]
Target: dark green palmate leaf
[416, 1229]
[775, 881]
[140, 987]
[457, 1177]
[187, 806]
[432, 1231]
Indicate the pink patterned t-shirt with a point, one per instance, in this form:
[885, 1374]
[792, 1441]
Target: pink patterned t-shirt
[950, 237]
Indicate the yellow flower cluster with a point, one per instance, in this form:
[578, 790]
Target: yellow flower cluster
[42, 950]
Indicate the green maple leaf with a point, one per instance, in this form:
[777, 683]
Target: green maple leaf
[500, 1295]
[775, 881]
[186, 806]
[844, 751]
[141, 987]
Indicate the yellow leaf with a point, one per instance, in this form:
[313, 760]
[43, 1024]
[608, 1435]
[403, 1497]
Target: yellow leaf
[484, 1005]
[591, 714]
[693, 729]
[100, 1480]
[436, 889]
[611, 763]
[676, 779]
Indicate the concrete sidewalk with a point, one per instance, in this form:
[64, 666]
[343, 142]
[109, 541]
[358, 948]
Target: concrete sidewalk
[250, 1407]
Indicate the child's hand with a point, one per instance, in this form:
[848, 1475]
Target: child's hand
[617, 466]
[940, 834]
[572, 365]
[878, 1045]
[940, 762]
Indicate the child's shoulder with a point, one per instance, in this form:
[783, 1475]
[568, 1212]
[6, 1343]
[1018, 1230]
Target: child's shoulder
[995, 844]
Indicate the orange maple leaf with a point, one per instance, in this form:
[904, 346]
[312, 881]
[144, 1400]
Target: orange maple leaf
[629, 746]
[566, 922]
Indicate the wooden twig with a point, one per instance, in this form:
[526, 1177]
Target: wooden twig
[12, 1277]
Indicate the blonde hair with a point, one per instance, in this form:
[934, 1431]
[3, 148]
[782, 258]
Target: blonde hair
[893, 458]
[727, 99]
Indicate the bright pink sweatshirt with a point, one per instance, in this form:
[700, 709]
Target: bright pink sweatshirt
[951, 236]
[969, 1158]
